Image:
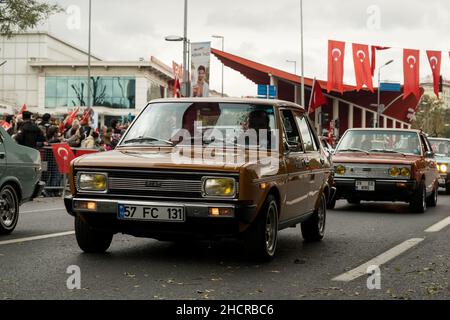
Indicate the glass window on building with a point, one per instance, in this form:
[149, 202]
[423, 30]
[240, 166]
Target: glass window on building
[110, 92]
[155, 91]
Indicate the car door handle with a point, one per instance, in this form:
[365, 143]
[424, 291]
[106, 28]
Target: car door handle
[2, 155]
[306, 162]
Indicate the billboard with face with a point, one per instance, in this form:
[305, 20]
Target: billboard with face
[200, 66]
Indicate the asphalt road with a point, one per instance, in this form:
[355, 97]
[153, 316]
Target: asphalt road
[415, 263]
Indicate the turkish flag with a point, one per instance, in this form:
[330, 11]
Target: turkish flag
[435, 59]
[24, 108]
[336, 53]
[411, 70]
[317, 98]
[86, 115]
[361, 61]
[178, 74]
[63, 156]
[373, 63]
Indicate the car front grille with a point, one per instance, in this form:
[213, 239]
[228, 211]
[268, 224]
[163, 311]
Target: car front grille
[157, 184]
[366, 171]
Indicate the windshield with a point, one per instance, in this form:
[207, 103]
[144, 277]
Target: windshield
[440, 147]
[175, 123]
[373, 141]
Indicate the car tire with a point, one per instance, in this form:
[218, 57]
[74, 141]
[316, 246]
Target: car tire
[418, 202]
[331, 204]
[354, 201]
[262, 237]
[313, 229]
[447, 189]
[433, 198]
[89, 239]
[9, 213]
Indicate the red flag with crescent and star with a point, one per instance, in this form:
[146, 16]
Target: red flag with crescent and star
[178, 74]
[63, 156]
[361, 61]
[435, 59]
[411, 71]
[336, 53]
[373, 63]
[317, 98]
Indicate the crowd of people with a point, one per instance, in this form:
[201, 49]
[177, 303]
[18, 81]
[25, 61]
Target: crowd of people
[37, 131]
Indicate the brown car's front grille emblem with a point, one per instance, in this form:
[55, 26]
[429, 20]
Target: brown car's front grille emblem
[153, 184]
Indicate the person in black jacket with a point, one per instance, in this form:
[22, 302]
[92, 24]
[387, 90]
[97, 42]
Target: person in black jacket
[30, 135]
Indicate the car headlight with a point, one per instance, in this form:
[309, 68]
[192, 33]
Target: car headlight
[219, 187]
[405, 172]
[394, 171]
[96, 182]
[443, 168]
[340, 170]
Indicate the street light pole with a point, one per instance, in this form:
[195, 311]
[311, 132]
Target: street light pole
[223, 49]
[89, 59]
[302, 61]
[379, 93]
[185, 53]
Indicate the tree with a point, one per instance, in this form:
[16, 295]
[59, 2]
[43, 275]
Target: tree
[431, 116]
[20, 15]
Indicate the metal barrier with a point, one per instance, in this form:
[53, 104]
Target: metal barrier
[55, 182]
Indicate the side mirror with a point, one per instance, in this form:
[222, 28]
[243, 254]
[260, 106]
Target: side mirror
[429, 154]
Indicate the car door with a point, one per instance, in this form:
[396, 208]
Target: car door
[298, 189]
[3, 162]
[315, 159]
[430, 164]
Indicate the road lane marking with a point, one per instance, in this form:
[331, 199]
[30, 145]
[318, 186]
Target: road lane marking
[439, 226]
[45, 236]
[378, 261]
[44, 210]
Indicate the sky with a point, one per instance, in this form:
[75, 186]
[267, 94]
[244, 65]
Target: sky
[267, 32]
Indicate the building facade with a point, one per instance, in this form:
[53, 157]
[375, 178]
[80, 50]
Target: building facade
[48, 74]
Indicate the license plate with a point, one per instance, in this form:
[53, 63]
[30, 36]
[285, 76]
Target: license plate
[151, 213]
[365, 185]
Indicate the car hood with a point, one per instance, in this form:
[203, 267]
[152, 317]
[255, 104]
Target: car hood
[168, 158]
[442, 159]
[382, 158]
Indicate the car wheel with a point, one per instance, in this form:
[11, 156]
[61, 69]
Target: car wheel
[331, 204]
[262, 237]
[418, 203]
[354, 201]
[313, 229]
[9, 209]
[447, 189]
[89, 239]
[433, 198]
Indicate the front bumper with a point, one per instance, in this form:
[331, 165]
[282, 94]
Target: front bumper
[38, 189]
[444, 180]
[385, 190]
[198, 222]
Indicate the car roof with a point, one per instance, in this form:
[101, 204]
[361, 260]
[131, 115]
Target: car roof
[268, 102]
[386, 129]
[438, 139]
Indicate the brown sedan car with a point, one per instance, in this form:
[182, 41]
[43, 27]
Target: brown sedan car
[386, 165]
[205, 168]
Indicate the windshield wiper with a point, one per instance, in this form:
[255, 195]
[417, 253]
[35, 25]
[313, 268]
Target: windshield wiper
[354, 150]
[387, 151]
[147, 139]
